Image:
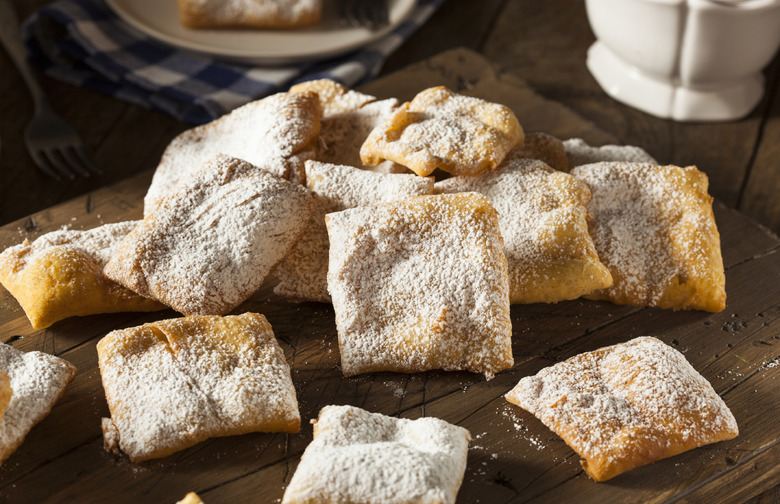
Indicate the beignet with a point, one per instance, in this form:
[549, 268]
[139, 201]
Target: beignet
[420, 284]
[359, 457]
[173, 383]
[277, 133]
[626, 405]
[543, 219]
[211, 244]
[459, 134]
[249, 13]
[60, 275]
[654, 230]
[37, 380]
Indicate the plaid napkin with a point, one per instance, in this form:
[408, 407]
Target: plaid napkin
[84, 43]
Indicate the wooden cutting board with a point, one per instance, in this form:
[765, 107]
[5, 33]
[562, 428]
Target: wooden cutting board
[513, 457]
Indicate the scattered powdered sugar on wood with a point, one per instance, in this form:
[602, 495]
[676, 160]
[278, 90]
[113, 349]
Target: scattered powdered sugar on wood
[37, 381]
[358, 456]
[543, 219]
[653, 228]
[580, 153]
[420, 284]
[626, 405]
[173, 383]
[277, 134]
[211, 244]
[303, 272]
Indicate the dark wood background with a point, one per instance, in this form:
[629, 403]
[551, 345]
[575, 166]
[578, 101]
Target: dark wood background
[526, 46]
[544, 43]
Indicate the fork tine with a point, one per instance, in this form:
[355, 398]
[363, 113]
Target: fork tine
[43, 164]
[86, 161]
[61, 167]
[73, 162]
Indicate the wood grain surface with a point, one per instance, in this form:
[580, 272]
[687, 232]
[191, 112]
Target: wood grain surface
[513, 457]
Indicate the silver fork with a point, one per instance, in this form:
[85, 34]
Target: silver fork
[52, 142]
[371, 14]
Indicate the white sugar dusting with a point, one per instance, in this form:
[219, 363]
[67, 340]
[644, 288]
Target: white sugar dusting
[37, 381]
[211, 244]
[303, 272]
[357, 456]
[442, 255]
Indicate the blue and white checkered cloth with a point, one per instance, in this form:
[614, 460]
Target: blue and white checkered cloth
[84, 43]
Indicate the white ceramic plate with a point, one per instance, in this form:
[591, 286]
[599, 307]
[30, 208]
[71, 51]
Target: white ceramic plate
[160, 19]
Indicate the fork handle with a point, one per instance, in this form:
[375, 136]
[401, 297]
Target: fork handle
[11, 38]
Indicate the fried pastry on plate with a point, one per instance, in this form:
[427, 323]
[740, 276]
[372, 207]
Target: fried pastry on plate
[543, 219]
[654, 230]
[459, 134]
[580, 153]
[253, 13]
[361, 457]
[347, 118]
[277, 133]
[544, 147]
[626, 405]
[37, 380]
[60, 275]
[210, 245]
[304, 270]
[173, 383]
[420, 284]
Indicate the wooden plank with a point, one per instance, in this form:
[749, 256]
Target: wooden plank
[759, 198]
[513, 458]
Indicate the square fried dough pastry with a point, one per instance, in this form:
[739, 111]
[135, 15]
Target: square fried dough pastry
[37, 380]
[347, 118]
[174, 383]
[60, 275]
[626, 405]
[210, 245]
[544, 147]
[191, 498]
[580, 153]
[304, 270]
[420, 284]
[358, 457]
[543, 218]
[249, 13]
[277, 133]
[459, 134]
[654, 230]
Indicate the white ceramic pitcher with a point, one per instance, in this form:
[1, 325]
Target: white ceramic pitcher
[688, 60]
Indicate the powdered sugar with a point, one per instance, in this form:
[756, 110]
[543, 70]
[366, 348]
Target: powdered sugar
[272, 13]
[542, 215]
[37, 382]
[626, 405]
[277, 133]
[303, 272]
[357, 456]
[176, 382]
[97, 244]
[580, 153]
[211, 244]
[420, 284]
[653, 228]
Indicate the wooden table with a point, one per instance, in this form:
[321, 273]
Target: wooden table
[513, 457]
